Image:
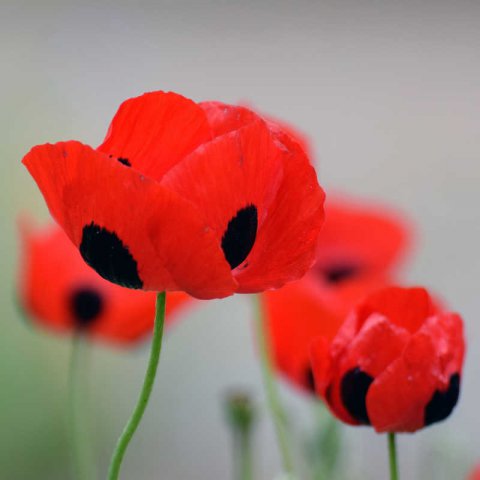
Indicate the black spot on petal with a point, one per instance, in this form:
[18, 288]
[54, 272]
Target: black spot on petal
[442, 403]
[106, 253]
[309, 379]
[238, 239]
[353, 391]
[124, 161]
[335, 274]
[86, 305]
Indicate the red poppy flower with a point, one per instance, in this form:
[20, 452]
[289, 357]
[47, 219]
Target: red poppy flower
[359, 240]
[395, 364]
[350, 264]
[60, 292]
[182, 197]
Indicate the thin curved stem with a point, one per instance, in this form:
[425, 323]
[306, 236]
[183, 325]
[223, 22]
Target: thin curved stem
[84, 467]
[271, 390]
[148, 382]
[392, 455]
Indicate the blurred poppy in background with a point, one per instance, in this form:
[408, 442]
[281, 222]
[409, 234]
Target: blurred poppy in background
[60, 292]
[475, 474]
[395, 364]
[184, 196]
[359, 248]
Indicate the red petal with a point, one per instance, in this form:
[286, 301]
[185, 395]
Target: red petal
[286, 240]
[397, 398]
[224, 118]
[164, 234]
[155, 131]
[369, 239]
[52, 270]
[296, 316]
[406, 307]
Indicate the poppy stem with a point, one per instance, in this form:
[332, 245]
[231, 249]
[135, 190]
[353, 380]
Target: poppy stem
[84, 468]
[145, 393]
[392, 454]
[241, 416]
[271, 390]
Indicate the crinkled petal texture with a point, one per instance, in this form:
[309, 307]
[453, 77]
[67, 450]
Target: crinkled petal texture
[59, 292]
[173, 201]
[395, 364]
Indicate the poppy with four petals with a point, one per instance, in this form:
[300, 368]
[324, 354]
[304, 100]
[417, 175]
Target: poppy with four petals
[395, 364]
[59, 292]
[359, 248]
[207, 198]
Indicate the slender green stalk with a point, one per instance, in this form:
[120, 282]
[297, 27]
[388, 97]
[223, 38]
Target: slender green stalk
[243, 455]
[241, 417]
[84, 466]
[392, 454]
[145, 393]
[271, 390]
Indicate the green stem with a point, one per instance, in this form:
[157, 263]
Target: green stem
[82, 453]
[392, 454]
[142, 402]
[271, 390]
[243, 455]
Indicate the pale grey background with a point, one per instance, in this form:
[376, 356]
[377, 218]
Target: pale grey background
[389, 93]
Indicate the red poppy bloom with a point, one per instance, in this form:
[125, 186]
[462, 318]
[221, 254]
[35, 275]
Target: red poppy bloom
[395, 364]
[359, 240]
[60, 292]
[183, 197]
[358, 247]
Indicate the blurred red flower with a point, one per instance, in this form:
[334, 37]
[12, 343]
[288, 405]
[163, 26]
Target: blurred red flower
[475, 474]
[395, 364]
[359, 247]
[208, 198]
[60, 292]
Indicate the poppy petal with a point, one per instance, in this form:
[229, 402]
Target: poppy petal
[397, 398]
[237, 189]
[158, 242]
[296, 315]
[224, 118]
[359, 239]
[405, 307]
[155, 131]
[294, 220]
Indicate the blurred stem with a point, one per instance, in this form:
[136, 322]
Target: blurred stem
[392, 454]
[78, 411]
[241, 416]
[243, 455]
[145, 393]
[326, 443]
[271, 390]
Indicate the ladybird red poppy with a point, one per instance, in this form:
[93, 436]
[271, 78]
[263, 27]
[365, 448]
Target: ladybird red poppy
[396, 362]
[360, 239]
[181, 196]
[359, 246]
[59, 292]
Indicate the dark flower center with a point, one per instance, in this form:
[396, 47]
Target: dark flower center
[106, 253]
[86, 305]
[238, 239]
[353, 391]
[338, 273]
[442, 403]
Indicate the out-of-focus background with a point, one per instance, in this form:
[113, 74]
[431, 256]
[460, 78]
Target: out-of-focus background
[389, 93]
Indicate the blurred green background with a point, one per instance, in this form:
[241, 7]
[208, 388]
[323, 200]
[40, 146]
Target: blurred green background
[389, 94]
